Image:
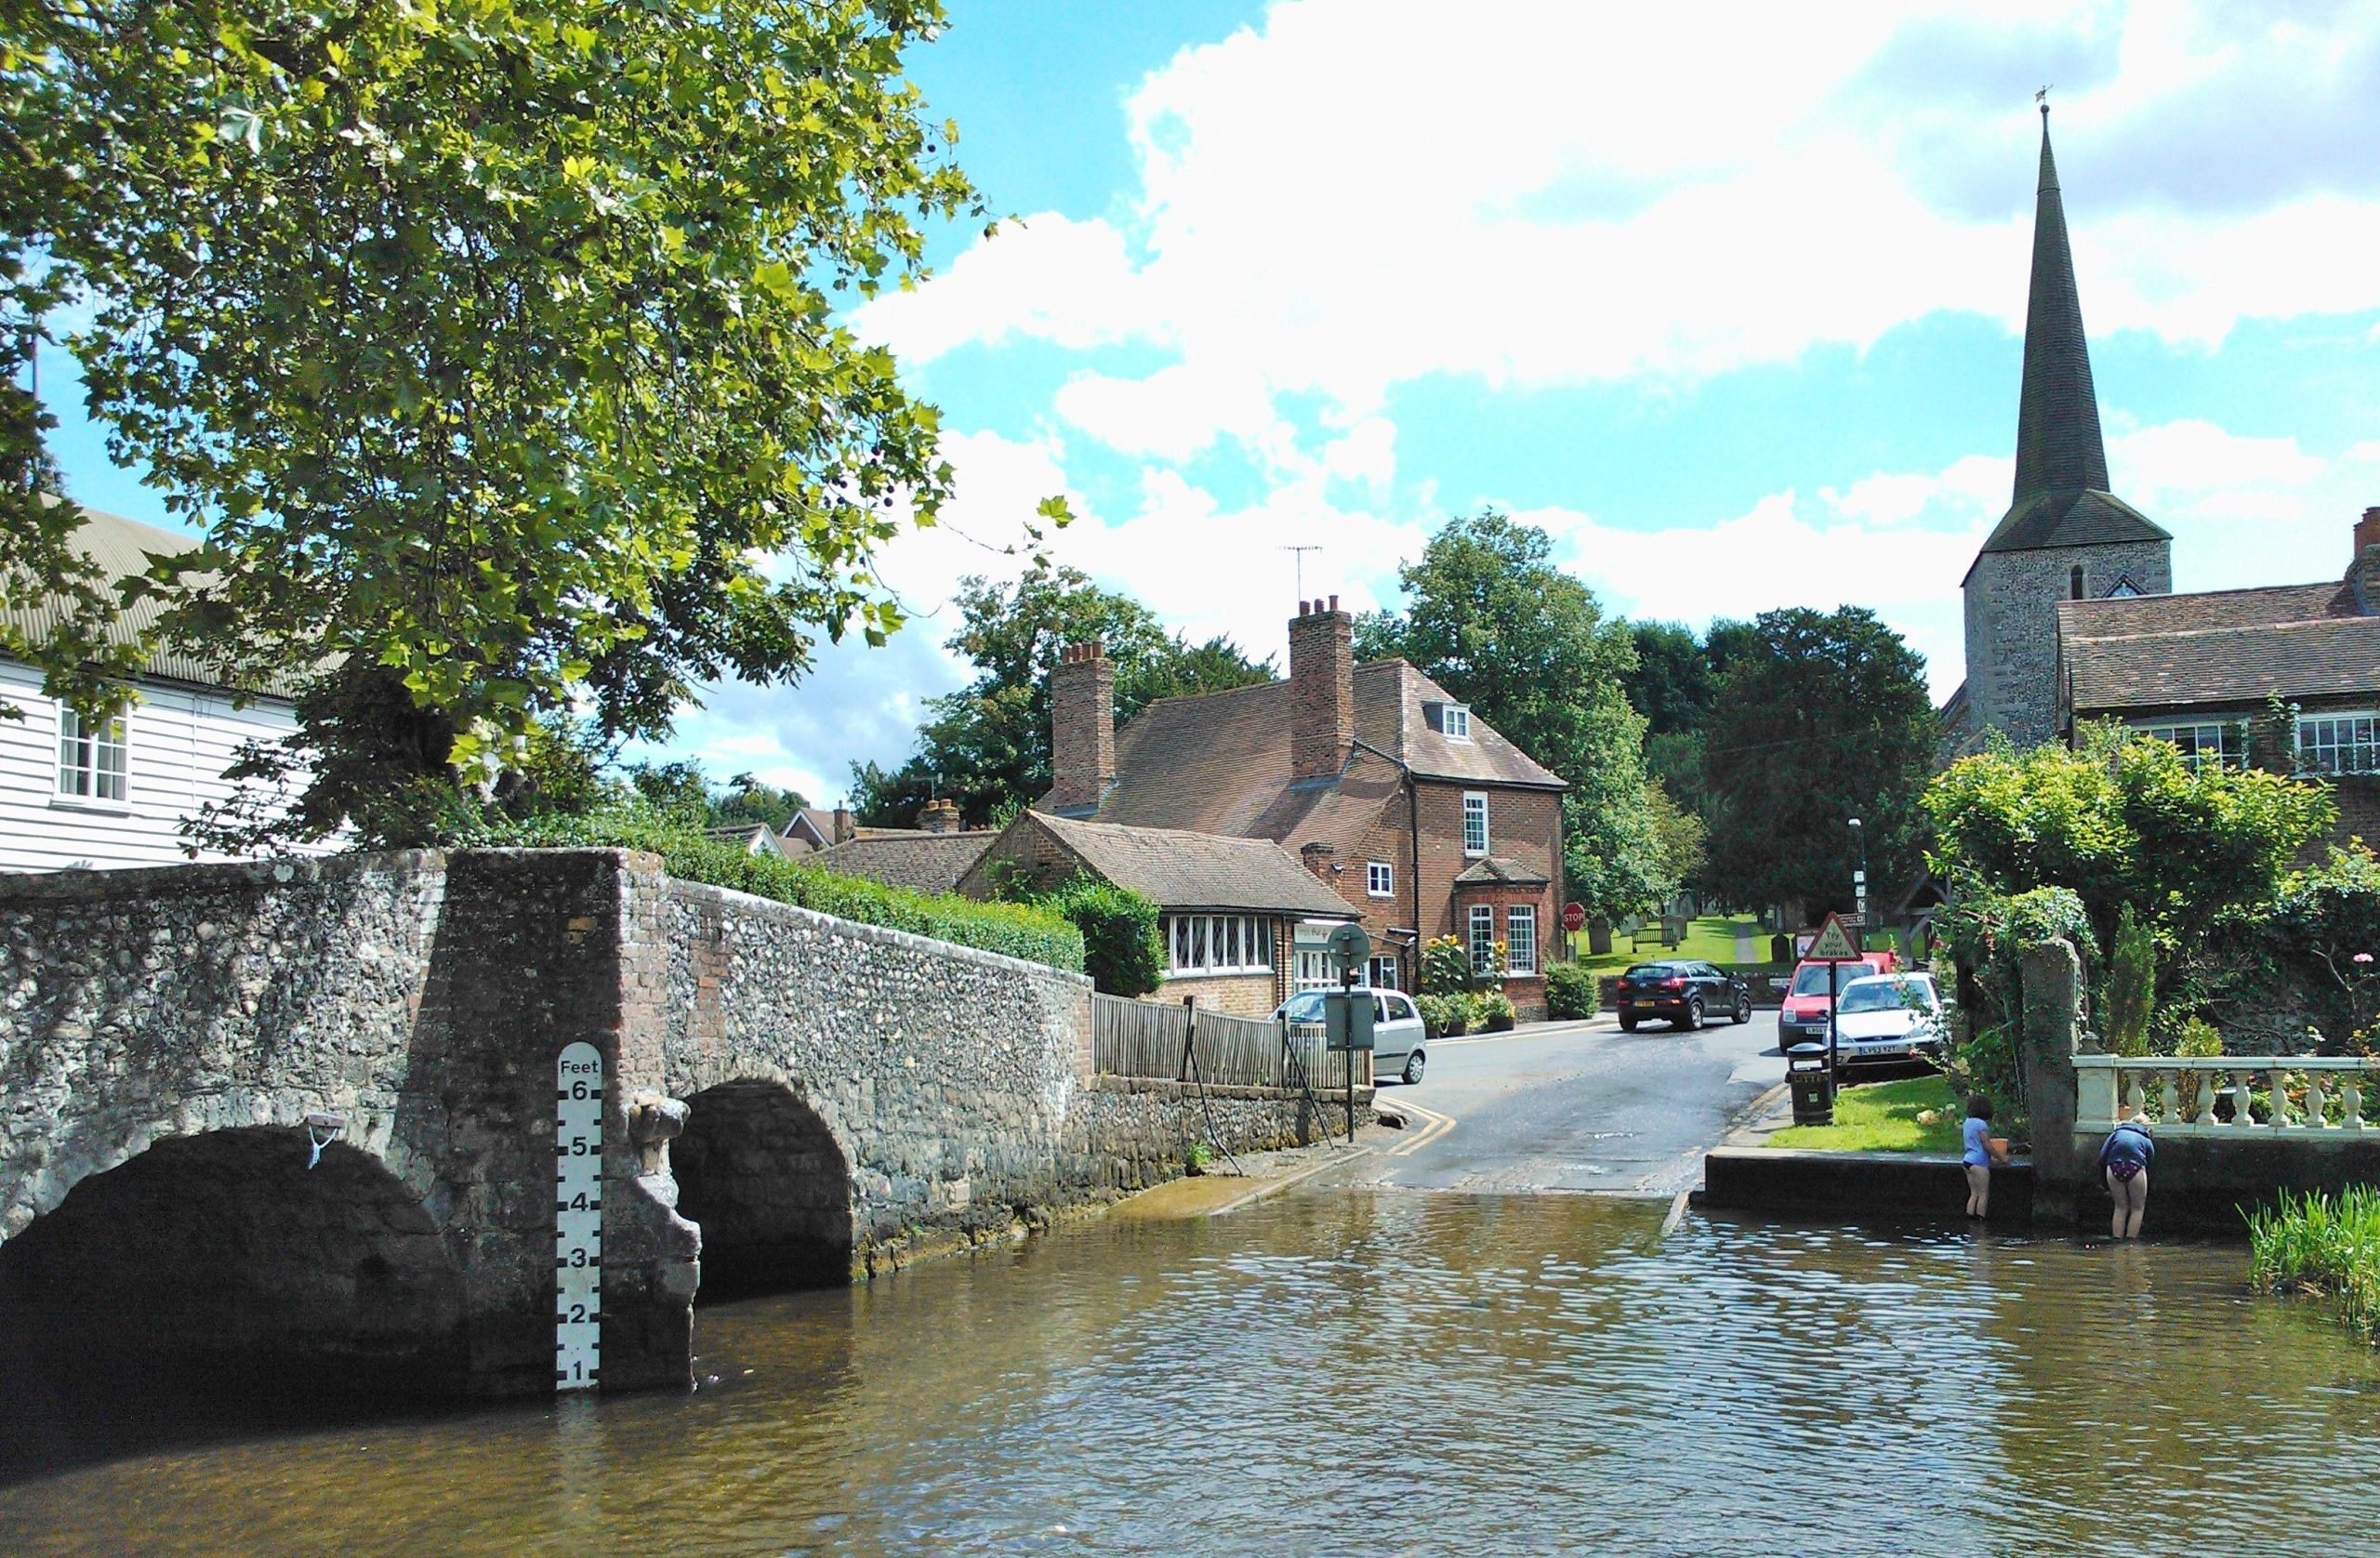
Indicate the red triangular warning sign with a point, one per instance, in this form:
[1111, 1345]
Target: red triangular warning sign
[1834, 942]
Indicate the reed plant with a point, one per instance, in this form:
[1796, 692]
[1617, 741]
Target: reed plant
[2316, 1243]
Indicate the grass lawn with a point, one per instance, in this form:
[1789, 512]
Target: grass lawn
[1711, 939]
[1881, 1117]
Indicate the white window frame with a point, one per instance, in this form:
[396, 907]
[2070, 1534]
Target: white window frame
[1483, 938]
[1455, 721]
[1380, 879]
[1378, 965]
[84, 776]
[1515, 918]
[2359, 753]
[2200, 740]
[1199, 945]
[1480, 810]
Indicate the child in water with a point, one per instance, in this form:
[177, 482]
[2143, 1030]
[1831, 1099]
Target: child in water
[2125, 1156]
[1978, 1154]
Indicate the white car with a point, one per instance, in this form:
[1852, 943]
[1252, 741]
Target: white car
[1885, 1019]
[1398, 1032]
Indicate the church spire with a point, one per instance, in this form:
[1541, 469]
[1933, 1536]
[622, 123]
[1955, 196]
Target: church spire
[2059, 445]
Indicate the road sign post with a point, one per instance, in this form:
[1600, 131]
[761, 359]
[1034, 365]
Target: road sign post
[1834, 944]
[1352, 946]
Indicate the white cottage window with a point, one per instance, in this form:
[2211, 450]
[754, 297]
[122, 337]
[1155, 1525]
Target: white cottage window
[94, 757]
[1216, 943]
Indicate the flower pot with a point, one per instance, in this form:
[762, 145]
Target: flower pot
[1500, 1024]
[1452, 1030]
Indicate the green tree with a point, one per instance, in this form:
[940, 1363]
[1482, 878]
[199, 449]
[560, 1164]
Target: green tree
[987, 746]
[1670, 686]
[2132, 986]
[1121, 948]
[492, 343]
[1819, 718]
[2125, 822]
[1488, 618]
[750, 799]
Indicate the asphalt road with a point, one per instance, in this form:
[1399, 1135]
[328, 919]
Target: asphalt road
[1576, 1106]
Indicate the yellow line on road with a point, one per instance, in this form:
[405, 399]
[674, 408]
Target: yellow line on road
[1435, 1125]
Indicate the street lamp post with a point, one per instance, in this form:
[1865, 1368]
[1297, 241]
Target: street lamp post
[1859, 875]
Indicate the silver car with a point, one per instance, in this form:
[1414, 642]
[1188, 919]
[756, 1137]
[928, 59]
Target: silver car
[1397, 1030]
[1887, 1018]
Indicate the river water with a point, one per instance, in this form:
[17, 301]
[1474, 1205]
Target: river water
[1372, 1372]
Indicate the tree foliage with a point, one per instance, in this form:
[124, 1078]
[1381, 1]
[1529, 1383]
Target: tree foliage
[1818, 718]
[1672, 682]
[491, 344]
[1489, 618]
[2125, 822]
[987, 746]
[2131, 987]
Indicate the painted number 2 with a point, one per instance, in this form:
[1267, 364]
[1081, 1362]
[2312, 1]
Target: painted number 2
[578, 1218]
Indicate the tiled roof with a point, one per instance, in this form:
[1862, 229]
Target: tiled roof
[2235, 666]
[124, 548]
[2072, 519]
[1219, 763]
[1182, 870]
[920, 862]
[2127, 616]
[754, 839]
[1495, 868]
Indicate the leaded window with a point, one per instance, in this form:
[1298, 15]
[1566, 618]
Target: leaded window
[1218, 944]
[2338, 744]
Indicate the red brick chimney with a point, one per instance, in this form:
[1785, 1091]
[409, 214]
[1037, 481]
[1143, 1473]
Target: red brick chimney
[1082, 727]
[1322, 689]
[2363, 569]
[939, 816]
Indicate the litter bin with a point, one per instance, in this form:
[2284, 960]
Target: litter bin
[1812, 1083]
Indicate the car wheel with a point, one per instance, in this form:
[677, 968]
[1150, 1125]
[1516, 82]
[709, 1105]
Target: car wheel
[1628, 1024]
[1743, 1008]
[1414, 1065]
[1692, 1021]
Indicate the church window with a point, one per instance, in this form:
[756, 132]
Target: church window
[2074, 581]
[2124, 591]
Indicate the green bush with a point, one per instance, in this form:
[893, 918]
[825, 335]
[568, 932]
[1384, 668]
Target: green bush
[1571, 991]
[1035, 935]
[1120, 947]
[1445, 1014]
[1491, 1004]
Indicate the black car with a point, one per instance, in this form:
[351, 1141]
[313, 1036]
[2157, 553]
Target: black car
[1685, 993]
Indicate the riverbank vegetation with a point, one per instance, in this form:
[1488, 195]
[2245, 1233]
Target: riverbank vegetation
[2316, 1244]
[1919, 1115]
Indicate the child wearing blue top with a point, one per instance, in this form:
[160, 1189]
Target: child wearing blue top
[2125, 1156]
[1978, 1154]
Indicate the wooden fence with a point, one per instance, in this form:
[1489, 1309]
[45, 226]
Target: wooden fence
[1155, 1038]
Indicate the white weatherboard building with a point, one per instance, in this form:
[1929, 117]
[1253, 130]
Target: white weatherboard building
[82, 794]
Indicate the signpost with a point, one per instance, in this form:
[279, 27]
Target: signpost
[1347, 1017]
[1834, 944]
[1574, 917]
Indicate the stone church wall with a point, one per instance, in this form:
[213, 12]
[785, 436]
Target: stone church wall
[2012, 625]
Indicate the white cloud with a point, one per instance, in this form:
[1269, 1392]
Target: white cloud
[1332, 204]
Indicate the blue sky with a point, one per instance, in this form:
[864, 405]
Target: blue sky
[1728, 301]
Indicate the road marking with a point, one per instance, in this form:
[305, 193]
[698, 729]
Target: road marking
[1435, 1125]
[1586, 1025]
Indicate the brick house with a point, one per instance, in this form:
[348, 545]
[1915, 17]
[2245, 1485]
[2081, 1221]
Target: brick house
[1418, 817]
[2201, 670]
[1230, 909]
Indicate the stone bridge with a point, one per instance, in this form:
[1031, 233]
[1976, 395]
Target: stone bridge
[787, 1099]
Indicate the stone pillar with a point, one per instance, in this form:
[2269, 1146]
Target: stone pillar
[2051, 977]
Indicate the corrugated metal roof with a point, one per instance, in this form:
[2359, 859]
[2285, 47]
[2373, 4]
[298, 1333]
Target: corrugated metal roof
[123, 548]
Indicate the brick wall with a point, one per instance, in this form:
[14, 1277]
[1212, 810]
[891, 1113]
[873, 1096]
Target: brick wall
[1322, 689]
[1082, 727]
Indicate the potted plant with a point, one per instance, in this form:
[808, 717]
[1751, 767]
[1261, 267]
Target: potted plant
[1496, 1008]
[1445, 1016]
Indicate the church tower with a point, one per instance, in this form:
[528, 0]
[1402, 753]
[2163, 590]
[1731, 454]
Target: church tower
[2065, 535]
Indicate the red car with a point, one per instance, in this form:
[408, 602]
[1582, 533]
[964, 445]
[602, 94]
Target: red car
[1802, 1018]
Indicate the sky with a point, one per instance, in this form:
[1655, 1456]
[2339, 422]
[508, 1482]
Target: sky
[1729, 299]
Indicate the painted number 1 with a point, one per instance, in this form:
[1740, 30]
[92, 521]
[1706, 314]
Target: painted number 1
[578, 1218]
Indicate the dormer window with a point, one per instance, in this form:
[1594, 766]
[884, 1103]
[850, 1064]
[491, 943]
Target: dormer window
[1457, 722]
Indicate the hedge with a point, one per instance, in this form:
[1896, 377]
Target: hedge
[1015, 929]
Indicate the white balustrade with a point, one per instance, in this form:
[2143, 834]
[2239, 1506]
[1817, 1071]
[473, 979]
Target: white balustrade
[2179, 1092]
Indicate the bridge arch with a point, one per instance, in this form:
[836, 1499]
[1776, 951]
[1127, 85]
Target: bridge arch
[769, 1185]
[221, 1255]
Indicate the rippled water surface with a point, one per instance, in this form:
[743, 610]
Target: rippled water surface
[1378, 1373]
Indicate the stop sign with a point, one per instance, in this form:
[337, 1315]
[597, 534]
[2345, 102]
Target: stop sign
[1574, 917]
